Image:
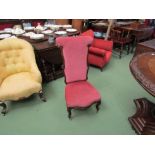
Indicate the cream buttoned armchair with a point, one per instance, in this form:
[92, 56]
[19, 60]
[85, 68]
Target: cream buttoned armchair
[19, 74]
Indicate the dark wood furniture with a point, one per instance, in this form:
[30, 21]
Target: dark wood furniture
[123, 23]
[9, 23]
[62, 21]
[147, 46]
[121, 39]
[78, 24]
[49, 60]
[139, 34]
[142, 34]
[142, 68]
[100, 26]
[48, 57]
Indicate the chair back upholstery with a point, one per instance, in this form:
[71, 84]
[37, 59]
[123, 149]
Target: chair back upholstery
[75, 51]
[17, 55]
[99, 43]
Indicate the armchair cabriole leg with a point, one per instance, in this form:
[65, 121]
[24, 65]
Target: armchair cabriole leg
[69, 113]
[41, 95]
[4, 110]
[98, 105]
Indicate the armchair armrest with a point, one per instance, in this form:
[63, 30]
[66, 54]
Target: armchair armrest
[36, 73]
[97, 51]
[103, 44]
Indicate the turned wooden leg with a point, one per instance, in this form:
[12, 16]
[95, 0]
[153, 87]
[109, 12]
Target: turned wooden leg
[41, 95]
[98, 105]
[4, 110]
[133, 45]
[128, 49]
[69, 113]
[153, 112]
[120, 55]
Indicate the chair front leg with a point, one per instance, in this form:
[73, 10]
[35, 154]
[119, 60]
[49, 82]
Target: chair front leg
[121, 50]
[134, 45]
[128, 50]
[101, 69]
[98, 105]
[41, 95]
[69, 112]
[5, 109]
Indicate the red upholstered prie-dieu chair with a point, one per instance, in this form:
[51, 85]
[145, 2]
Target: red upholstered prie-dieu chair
[79, 93]
[100, 50]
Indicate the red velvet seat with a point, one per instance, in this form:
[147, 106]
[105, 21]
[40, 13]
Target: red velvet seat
[100, 50]
[79, 93]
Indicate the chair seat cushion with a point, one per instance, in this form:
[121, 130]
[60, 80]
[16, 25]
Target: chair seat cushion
[81, 94]
[18, 86]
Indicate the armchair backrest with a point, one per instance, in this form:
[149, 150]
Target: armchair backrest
[103, 44]
[88, 33]
[17, 55]
[75, 52]
[99, 43]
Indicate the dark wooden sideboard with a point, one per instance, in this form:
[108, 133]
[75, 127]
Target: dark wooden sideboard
[147, 46]
[49, 60]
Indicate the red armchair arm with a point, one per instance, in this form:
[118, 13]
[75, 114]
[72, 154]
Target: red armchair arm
[97, 51]
[103, 44]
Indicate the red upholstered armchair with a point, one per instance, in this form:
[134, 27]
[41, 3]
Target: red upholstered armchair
[79, 93]
[100, 50]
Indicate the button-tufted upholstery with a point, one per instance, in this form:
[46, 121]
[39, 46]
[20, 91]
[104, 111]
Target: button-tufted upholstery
[19, 74]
